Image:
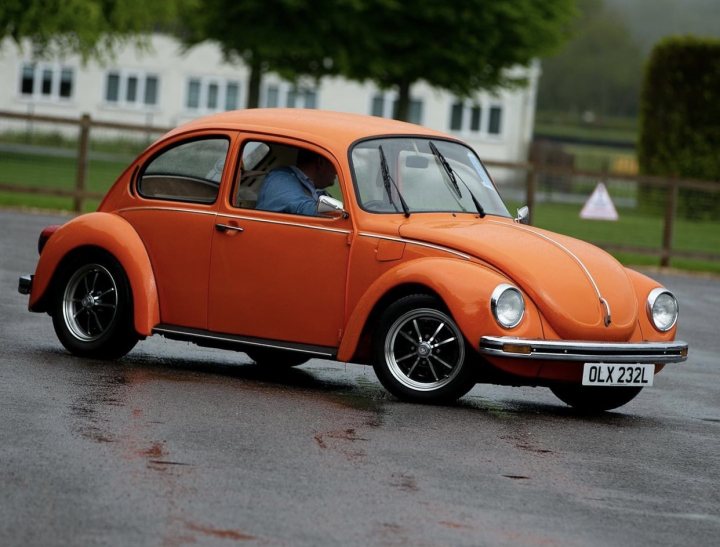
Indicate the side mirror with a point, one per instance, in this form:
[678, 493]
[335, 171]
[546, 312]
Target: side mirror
[523, 215]
[331, 207]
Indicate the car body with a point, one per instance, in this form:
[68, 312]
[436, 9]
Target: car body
[417, 268]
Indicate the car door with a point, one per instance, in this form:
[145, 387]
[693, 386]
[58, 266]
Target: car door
[277, 276]
[176, 200]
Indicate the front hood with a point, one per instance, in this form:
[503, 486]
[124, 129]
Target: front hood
[566, 278]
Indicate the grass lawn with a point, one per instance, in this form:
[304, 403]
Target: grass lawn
[53, 173]
[634, 229]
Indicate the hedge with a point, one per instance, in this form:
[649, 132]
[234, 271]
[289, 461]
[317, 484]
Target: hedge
[680, 120]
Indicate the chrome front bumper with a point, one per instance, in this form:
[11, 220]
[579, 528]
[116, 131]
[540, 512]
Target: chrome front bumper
[597, 352]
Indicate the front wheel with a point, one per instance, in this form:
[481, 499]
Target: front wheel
[594, 399]
[92, 312]
[419, 353]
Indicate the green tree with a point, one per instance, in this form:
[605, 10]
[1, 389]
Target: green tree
[89, 27]
[293, 38]
[680, 119]
[456, 46]
[599, 70]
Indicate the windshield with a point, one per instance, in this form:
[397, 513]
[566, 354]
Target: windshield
[396, 175]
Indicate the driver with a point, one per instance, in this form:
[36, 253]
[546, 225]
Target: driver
[297, 189]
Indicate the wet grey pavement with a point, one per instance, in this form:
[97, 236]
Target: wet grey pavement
[179, 445]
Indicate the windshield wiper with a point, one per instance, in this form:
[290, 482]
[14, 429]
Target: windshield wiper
[388, 180]
[453, 179]
[446, 166]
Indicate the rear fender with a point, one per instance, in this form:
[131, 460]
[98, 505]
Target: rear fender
[115, 235]
[464, 287]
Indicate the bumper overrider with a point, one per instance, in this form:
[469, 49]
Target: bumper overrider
[25, 284]
[569, 350]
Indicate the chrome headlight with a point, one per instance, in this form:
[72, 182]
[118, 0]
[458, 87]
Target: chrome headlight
[507, 305]
[662, 308]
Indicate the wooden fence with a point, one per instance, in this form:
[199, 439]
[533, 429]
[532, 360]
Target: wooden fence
[532, 173]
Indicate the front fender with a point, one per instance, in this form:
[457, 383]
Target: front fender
[115, 235]
[465, 288]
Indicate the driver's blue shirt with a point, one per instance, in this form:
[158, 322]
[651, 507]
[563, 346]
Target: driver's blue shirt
[289, 190]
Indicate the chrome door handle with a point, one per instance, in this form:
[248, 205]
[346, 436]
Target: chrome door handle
[226, 227]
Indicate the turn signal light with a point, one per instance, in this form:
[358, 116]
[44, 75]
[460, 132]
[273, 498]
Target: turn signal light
[522, 349]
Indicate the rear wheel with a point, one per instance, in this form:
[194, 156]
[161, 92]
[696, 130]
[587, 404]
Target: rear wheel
[419, 353]
[277, 358]
[594, 399]
[92, 311]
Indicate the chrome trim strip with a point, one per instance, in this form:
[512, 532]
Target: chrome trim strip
[173, 209]
[190, 334]
[236, 217]
[414, 242]
[571, 350]
[285, 223]
[603, 302]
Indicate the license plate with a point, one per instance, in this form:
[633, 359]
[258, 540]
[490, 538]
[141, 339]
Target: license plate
[613, 374]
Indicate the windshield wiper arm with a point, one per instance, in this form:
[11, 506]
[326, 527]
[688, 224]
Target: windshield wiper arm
[387, 180]
[453, 179]
[446, 166]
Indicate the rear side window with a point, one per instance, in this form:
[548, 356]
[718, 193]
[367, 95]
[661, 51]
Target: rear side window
[189, 172]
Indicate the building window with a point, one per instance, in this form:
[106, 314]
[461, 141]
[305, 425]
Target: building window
[475, 118]
[456, 116]
[28, 80]
[301, 97]
[212, 94]
[495, 125]
[468, 117]
[151, 90]
[193, 98]
[415, 111]
[66, 81]
[131, 89]
[232, 92]
[46, 81]
[378, 106]
[383, 103]
[272, 96]
[112, 91]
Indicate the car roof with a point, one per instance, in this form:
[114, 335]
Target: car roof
[320, 126]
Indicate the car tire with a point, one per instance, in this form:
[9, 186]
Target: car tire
[277, 358]
[594, 399]
[419, 353]
[93, 308]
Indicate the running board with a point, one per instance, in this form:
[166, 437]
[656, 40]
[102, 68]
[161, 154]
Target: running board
[211, 339]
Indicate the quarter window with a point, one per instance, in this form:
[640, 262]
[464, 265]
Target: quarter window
[187, 172]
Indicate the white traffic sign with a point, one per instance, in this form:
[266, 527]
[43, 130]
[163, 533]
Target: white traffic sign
[599, 205]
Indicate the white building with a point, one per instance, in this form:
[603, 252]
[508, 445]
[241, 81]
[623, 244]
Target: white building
[164, 86]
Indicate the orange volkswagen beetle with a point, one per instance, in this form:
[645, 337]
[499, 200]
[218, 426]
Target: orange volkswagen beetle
[414, 266]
